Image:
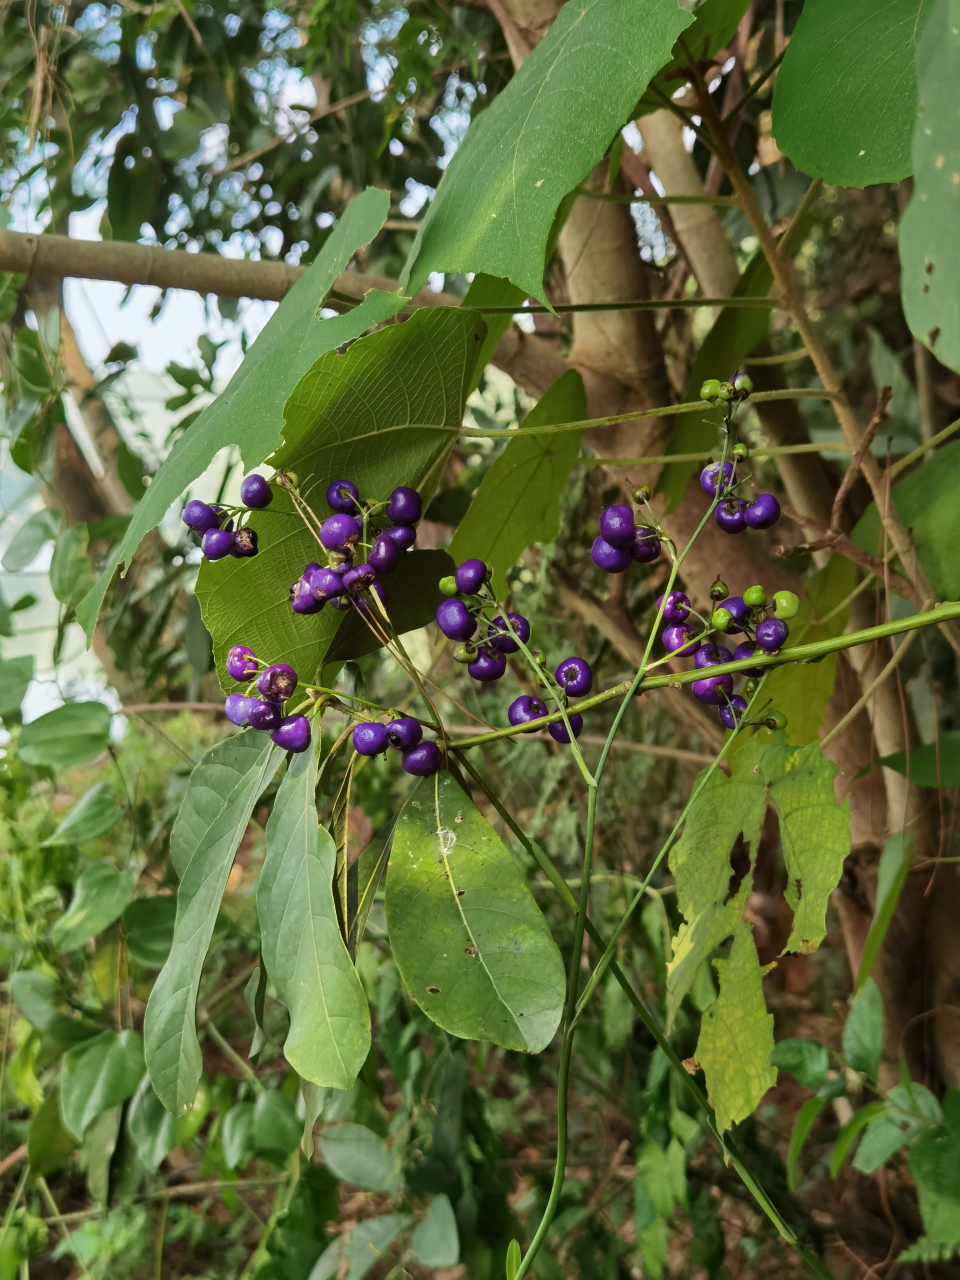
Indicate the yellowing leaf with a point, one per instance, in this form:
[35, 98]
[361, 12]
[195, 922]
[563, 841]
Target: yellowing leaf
[736, 1036]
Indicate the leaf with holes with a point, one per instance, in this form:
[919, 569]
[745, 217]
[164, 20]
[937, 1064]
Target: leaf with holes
[384, 413]
[469, 940]
[303, 950]
[542, 135]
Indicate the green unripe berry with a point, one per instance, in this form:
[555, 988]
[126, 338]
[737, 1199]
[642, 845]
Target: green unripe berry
[463, 652]
[750, 687]
[755, 597]
[785, 604]
[710, 389]
[292, 478]
[743, 383]
[775, 720]
[740, 452]
[642, 492]
[539, 658]
[726, 391]
[719, 590]
[448, 585]
[720, 619]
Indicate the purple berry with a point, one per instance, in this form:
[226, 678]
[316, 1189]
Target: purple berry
[343, 496]
[404, 733]
[312, 567]
[405, 505]
[325, 584]
[216, 543]
[237, 709]
[384, 555]
[293, 734]
[730, 515]
[608, 558]
[616, 525]
[763, 512]
[710, 475]
[242, 663]
[713, 689]
[199, 517]
[404, 535]
[746, 650]
[732, 712]
[489, 664]
[302, 599]
[339, 530]
[455, 620]
[244, 543]
[370, 738]
[676, 608]
[264, 715]
[646, 545]
[711, 655]
[255, 492]
[525, 708]
[574, 675]
[680, 638]
[278, 682]
[506, 643]
[374, 589]
[471, 576]
[422, 761]
[771, 634]
[359, 578]
[734, 605]
[558, 730]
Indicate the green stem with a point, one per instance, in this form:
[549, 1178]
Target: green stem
[802, 653]
[645, 304]
[569, 1030]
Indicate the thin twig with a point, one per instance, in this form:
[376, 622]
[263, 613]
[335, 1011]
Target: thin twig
[851, 473]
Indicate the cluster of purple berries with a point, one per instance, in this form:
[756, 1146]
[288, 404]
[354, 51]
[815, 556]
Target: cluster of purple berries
[422, 759]
[274, 684]
[734, 514]
[748, 614]
[575, 679]
[215, 525]
[622, 541]
[357, 554]
[483, 642]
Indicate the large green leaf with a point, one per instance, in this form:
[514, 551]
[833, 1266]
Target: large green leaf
[303, 950]
[929, 766]
[468, 938]
[173, 1050]
[384, 413]
[736, 1036]
[436, 1241]
[99, 897]
[148, 925]
[30, 538]
[935, 1165]
[97, 1075]
[863, 1031]
[929, 257]
[72, 734]
[518, 502]
[542, 135]
[248, 413]
[38, 997]
[15, 677]
[358, 1155]
[846, 94]
[71, 574]
[926, 501]
[94, 814]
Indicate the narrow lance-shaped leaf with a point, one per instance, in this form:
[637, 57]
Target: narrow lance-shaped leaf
[469, 940]
[518, 502]
[248, 413]
[173, 1050]
[543, 134]
[303, 950]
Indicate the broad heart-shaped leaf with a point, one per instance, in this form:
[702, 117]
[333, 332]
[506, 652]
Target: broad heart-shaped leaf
[736, 1036]
[72, 734]
[845, 100]
[468, 938]
[384, 413]
[248, 412]
[94, 814]
[148, 927]
[700, 862]
[37, 996]
[173, 1050]
[927, 505]
[935, 1165]
[518, 502]
[436, 1241]
[276, 1129]
[358, 1155]
[99, 897]
[97, 1075]
[929, 257]
[542, 135]
[714, 24]
[303, 950]
[863, 1031]
[15, 677]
